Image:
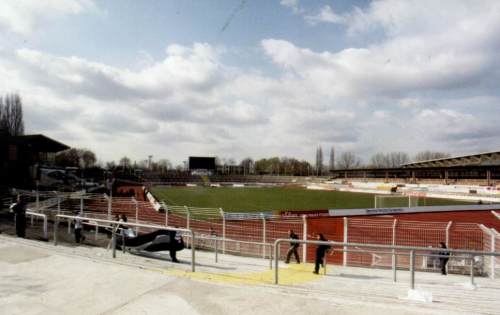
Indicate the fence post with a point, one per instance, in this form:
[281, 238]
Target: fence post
[223, 230]
[472, 270]
[188, 217]
[493, 238]
[188, 223]
[56, 227]
[304, 237]
[448, 228]
[263, 235]
[345, 241]
[58, 204]
[110, 201]
[394, 266]
[412, 269]
[81, 205]
[136, 215]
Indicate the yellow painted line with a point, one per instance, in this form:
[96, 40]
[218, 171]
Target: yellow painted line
[292, 275]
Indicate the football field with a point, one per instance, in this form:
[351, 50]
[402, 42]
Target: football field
[275, 198]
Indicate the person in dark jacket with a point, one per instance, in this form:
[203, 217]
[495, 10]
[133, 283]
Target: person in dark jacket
[19, 210]
[293, 248]
[178, 244]
[320, 252]
[443, 259]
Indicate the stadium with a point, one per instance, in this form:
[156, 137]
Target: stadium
[156, 157]
[243, 216]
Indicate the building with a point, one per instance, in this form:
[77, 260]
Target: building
[21, 156]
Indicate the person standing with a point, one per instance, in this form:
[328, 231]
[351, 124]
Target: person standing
[19, 210]
[443, 258]
[177, 243]
[293, 248]
[79, 237]
[320, 253]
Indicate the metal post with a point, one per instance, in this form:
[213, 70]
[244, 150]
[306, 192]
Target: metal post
[166, 213]
[188, 217]
[216, 250]
[412, 269]
[56, 227]
[188, 221]
[113, 240]
[81, 205]
[472, 270]
[193, 258]
[324, 264]
[344, 254]
[45, 228]
[96, 230]
[448, 227]
[110, 201]
[394, 271]
[493, 238]
[136, 215]
[123, 242]
[263, 235]
[58, 204]
[271, 257]
[276, 255]
[394, 267]
[223, 231]
[69, 226]
[304, 237]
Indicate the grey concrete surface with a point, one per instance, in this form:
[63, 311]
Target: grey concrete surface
[39, 278]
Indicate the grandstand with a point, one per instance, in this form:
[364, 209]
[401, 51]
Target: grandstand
[459, 229]
[475, 169]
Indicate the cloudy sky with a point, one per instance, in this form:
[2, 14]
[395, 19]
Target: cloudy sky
[255, 78]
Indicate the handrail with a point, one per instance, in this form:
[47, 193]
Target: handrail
[113, 223]
[411, 249]
[217, 239]
[44, 216]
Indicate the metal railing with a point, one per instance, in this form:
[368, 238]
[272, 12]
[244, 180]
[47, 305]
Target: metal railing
[44, 217]
[216, 240]
[429, 251]
[115, 224]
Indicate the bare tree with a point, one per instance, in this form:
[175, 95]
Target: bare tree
[125, 162]
[348, 160]
[430, 155]
[83, 158]
[389, 160]
[319, 160]
[87, 158]
[331, 165]
[11, 115]
[396, 159]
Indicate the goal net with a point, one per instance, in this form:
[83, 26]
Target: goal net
[398, 201]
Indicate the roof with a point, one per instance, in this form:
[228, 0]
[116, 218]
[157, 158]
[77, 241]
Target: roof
[39, 143]
[487, 158]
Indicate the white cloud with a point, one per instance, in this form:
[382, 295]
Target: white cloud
[429, 82]
[326, 15]
[292, 4]
[23, 16]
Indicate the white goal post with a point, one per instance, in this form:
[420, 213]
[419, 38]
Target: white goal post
[398, 200]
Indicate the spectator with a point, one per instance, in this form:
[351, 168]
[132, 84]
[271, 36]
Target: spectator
[79, 237]
[320, 253]
[178, 244]
[443, 258]
[19, 210]
[293, 248]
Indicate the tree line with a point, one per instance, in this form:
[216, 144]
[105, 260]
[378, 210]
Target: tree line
[11, 115]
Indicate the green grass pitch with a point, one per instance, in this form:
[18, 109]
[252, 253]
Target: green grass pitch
[270, 199]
